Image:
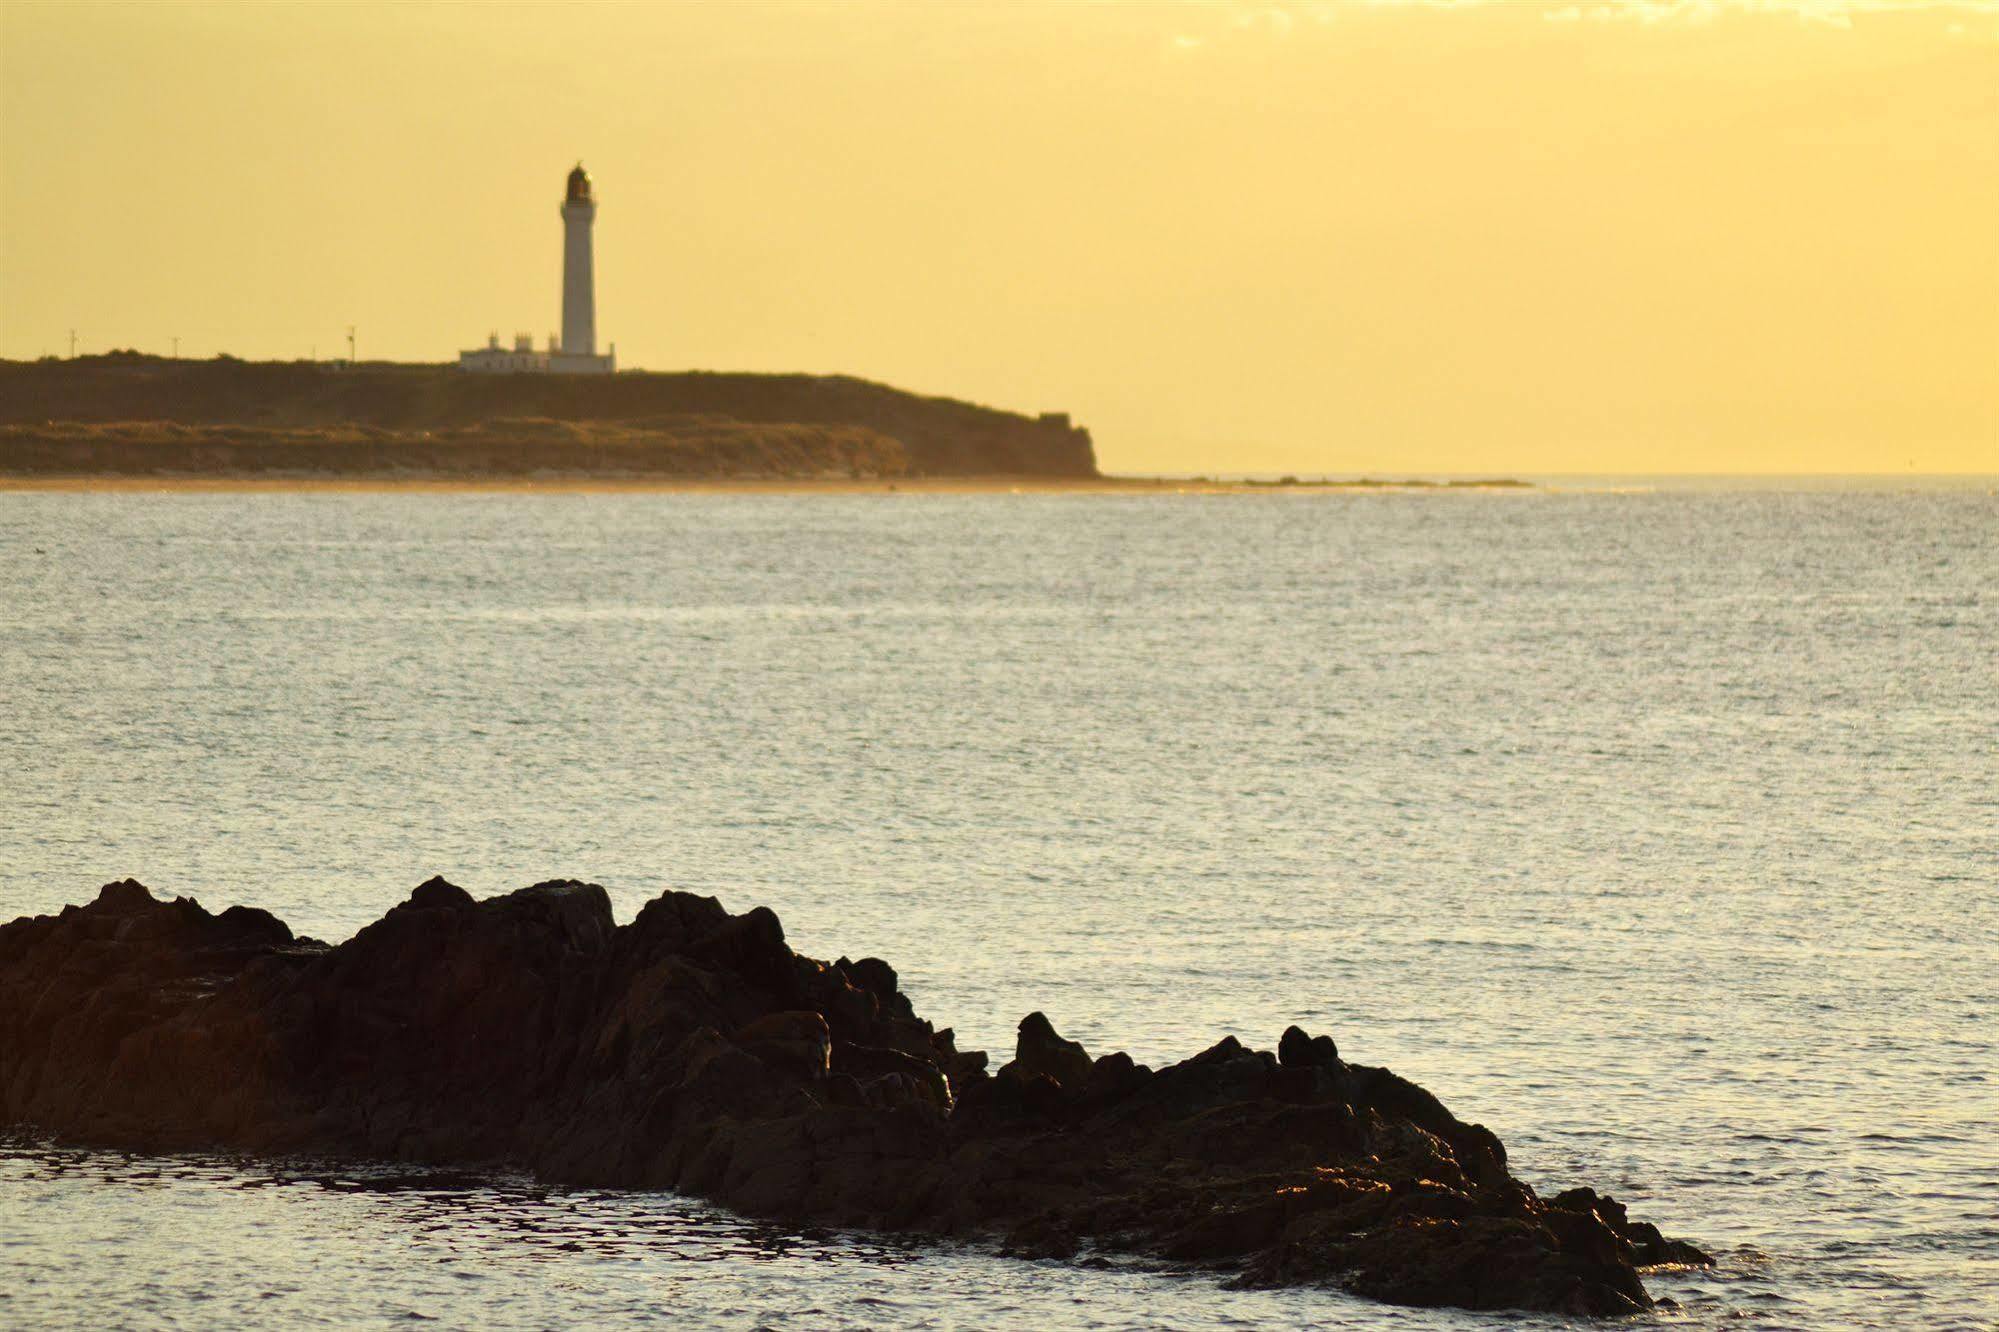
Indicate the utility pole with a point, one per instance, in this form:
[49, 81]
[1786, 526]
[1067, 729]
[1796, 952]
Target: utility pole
[176, 349]
[350, 344]
[72, 344]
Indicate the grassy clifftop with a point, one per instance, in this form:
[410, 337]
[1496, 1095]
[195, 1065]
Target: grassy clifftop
[235, 416]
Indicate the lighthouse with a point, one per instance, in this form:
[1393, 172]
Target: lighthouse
[579, 287]
[576, 352]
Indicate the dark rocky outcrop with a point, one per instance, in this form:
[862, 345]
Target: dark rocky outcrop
[694, 1050]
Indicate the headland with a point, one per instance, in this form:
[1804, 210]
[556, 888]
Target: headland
[126, 421]
[130, 415]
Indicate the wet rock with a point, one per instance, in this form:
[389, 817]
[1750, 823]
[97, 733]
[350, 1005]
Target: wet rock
[962, 1068]
[1041, 1052]
[1297, 1050]
[1112, 1078]
[123, 898]
[1647, 1247]
[867, 1062]
[798, 1041]
[694, 1050]
[438, 894]
[878, 979]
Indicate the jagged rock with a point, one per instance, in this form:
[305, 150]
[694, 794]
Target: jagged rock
[693, 1050]
[1297, 1050]
[799, 1041]
[1040, 1051]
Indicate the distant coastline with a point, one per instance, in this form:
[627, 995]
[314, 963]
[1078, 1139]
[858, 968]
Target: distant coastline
[126, 415]
[127, 421]
[601, 484]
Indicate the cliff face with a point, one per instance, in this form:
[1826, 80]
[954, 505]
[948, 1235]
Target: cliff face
[936, 436]
[679, 447]
[692, 1049]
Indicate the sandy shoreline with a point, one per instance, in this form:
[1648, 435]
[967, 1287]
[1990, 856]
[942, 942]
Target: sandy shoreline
[585, 485]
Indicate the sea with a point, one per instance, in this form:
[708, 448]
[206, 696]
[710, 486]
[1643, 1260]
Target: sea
[1653, 824]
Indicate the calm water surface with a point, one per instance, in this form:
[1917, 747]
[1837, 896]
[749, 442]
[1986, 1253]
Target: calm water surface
[1657, 831]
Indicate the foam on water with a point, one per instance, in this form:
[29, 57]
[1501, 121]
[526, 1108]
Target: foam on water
[1656, 830]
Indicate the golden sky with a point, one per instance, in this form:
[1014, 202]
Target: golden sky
[1654, 236]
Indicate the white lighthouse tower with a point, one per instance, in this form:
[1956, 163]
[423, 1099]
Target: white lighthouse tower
[576, 352]
[579, 287]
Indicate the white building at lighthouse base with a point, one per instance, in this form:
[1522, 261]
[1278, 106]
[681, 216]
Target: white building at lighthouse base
[523, 359]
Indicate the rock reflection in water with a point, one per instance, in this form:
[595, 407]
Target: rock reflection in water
[283, 1242]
